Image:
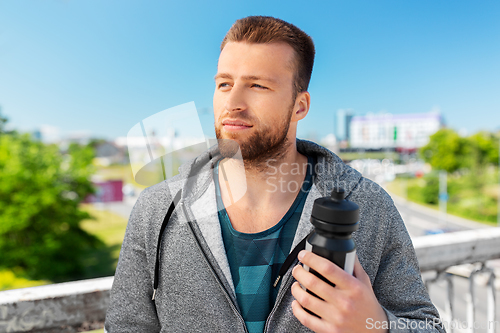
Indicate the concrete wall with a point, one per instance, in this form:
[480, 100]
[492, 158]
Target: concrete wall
[55, 308]
[438, 252]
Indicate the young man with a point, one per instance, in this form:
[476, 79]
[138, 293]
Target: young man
[218, 258]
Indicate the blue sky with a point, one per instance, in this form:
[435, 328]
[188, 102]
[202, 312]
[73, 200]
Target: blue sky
[101, 66]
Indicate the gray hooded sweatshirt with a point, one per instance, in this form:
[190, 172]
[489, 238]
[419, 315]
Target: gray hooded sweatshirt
[196, 292]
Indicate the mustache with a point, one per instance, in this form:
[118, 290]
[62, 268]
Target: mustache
[241, 116]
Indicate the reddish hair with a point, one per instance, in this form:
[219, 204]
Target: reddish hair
[266, 29]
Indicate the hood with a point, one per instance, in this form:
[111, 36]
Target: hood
[330, 171]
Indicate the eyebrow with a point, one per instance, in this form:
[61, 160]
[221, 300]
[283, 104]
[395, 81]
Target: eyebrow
[245, 77]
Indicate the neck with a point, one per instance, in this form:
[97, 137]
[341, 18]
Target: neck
[270, 182]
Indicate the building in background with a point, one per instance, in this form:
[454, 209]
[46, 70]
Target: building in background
[342, 124]
[330, 142]
[47, 134]
[108, 153]
[406, 132]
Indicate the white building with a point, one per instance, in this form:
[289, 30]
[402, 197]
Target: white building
[403, 131]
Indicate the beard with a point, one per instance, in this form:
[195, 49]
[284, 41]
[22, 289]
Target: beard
[263, 148]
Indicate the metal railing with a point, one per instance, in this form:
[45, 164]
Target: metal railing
[62, 307]
[442, 253]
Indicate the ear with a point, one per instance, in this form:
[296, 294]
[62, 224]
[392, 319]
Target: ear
[301, 107]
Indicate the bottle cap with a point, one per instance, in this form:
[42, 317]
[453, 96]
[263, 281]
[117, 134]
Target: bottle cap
[335, 210]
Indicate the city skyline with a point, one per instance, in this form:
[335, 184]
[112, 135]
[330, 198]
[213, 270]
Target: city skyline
[99, 68]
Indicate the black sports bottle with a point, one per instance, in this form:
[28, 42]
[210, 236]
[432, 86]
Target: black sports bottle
[334, 219]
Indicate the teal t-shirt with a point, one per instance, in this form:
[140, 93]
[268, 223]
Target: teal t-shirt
[255, 259]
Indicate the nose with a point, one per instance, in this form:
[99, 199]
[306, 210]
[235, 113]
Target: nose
[235, 100]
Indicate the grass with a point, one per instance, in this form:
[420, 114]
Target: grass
[108, 227]
[376, 155]
[148, 176]
[119, 171]
[399, 187]
[471, 196]
[10, 280]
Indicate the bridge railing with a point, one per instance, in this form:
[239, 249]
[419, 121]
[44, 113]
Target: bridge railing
[444, 252]
[64, 307]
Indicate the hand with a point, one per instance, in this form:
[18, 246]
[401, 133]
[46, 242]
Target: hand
[348, 307]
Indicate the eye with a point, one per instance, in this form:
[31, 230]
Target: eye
[223, 85]
[259, 86]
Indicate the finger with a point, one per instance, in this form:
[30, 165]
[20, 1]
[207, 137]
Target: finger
[360, 273]
[313, 323]
[326, 268]
[310, 302]
[312, 283]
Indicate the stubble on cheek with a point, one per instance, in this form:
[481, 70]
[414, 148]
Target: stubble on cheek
[265, 143]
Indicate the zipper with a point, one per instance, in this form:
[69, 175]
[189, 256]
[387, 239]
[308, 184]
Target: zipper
[289, 261]
[279, 298]
[226, 294]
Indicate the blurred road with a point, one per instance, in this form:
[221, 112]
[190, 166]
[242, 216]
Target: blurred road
[420, 220]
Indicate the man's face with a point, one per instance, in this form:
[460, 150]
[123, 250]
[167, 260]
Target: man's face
[253, 99]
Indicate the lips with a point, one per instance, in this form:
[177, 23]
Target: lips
[235, 122]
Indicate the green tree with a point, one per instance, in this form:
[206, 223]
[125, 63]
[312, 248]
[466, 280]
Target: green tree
[40, 191]
[3, 121]
[481, 150]
[445, 150]
[95, 142]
